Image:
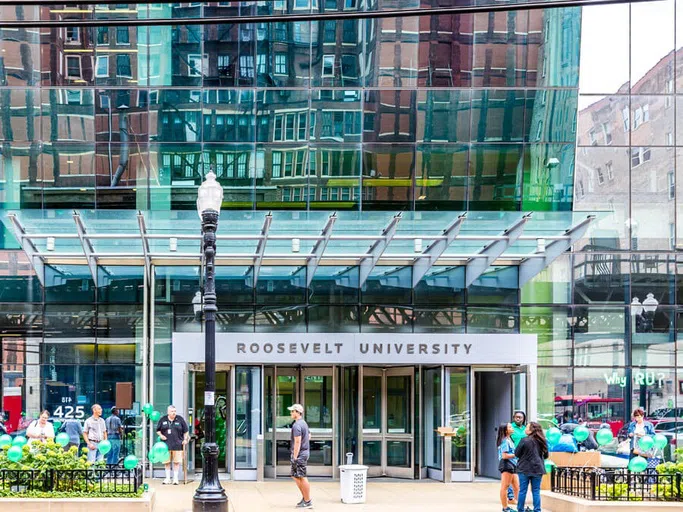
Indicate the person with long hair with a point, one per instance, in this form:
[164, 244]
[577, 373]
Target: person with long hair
[531, 453]
[507, 464]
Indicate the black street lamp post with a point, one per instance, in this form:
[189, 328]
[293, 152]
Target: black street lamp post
[210, 495]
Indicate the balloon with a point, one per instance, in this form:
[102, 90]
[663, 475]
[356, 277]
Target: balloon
[604, 436]
[19, 441]
[130, 462]
[57, 424]
[152, 457]
[62, 439]
[553, 436]
[637, 464]
[5, 440]
[155, 415]
[15, 454]
[660, 441]
[549, 465]
[104, 447]
[160, 451]
[645, 443]
[581, 433]
[147, 409]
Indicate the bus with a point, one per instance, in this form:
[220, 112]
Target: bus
[593, 409]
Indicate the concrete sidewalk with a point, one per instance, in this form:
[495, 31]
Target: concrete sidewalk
[383, 495]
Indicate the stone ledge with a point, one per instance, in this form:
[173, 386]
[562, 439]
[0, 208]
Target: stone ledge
[143, 504]
[555, 502]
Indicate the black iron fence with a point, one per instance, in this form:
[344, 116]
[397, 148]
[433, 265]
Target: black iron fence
[109, 480]
[602, 484]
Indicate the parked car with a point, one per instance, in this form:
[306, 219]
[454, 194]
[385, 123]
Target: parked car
[665, 413]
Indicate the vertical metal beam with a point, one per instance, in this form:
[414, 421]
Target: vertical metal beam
[376, 250]
[145, 242]
[477, 266]
[88, 248]
[261, 247]
[531, 267]
[319, 249]
[31, 251]
[436, 249]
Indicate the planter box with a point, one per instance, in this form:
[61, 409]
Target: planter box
[142, 504]
[555, 502]
[571, 460]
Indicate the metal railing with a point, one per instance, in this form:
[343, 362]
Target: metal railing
[603, 484]
[110, 480]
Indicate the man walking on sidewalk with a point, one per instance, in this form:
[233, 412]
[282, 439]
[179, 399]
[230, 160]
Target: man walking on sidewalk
[300, 450]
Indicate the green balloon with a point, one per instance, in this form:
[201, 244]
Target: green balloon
[660, 441]
[19, 441]
[155, 415]
[62, 439]
[130, 462]
[147, 409]
[160, 450]
[604, 436]
[549, 465]
[637, 464]
[581, 433]
[56, 424]
[646, 443]
[15, 453]
[151, 457]
[5, 440]
[104, 447]
[553, 436]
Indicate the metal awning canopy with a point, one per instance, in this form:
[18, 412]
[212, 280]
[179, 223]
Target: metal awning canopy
[422, 240]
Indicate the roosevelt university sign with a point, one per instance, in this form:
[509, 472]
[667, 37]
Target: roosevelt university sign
[360, 348]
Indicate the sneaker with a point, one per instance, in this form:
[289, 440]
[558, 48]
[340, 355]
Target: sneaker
[305, 504]
[167, 481]
[300, 503]
[175, 481]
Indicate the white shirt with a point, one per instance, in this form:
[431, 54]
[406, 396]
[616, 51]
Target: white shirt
[36, 432]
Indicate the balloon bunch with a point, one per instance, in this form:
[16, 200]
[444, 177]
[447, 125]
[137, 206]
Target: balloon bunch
[159, 453]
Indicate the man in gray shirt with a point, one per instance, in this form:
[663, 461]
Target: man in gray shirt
[300, 450]
[94, 432]
[114, 435]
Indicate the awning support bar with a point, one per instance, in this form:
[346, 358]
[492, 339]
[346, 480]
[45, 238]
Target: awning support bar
[477, 266]
[261, 247]
[376, 250]
[29, 248]
[436, 249]
[531, 267]
[88, 249]
[319, 248]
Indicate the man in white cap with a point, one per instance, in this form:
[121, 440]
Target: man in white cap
[300, 450]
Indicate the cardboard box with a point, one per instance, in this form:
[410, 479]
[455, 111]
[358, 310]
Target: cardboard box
[445, 431]
[576, 460]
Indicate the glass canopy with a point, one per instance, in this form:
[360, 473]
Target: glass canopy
[422, 240]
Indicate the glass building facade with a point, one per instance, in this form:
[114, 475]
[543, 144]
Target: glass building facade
[544, 110]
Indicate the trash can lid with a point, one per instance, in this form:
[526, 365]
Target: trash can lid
[357, 467]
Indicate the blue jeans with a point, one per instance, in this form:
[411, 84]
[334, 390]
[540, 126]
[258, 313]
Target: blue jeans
[113, 455]
[524, 481]
[95, 455]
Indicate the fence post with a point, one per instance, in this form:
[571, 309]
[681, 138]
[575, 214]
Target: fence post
[593, 484]
[552, 478]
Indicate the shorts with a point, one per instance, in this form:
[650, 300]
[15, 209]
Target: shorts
[299, 467]
[176, 456]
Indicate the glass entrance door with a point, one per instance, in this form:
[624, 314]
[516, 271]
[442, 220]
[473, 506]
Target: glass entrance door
[314, 388]
[387, 421]
[223, 414]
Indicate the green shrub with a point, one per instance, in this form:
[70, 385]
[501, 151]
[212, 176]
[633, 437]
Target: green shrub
[44, 457]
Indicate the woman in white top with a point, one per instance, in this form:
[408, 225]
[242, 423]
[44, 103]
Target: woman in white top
[40, 429]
